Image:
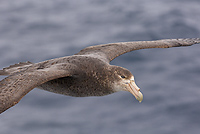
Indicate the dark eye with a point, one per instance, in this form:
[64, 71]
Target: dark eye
[122, 76]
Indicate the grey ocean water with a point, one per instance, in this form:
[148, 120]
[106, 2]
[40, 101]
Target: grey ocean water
[35, 30]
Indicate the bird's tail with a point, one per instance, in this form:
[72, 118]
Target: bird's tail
[15, 68]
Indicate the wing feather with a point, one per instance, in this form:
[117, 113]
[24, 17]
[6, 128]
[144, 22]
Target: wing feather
[15, 68]
[113, 50]
[16, 86]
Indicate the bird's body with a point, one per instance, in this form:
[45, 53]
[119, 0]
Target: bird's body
[88, 70]
[87, 73]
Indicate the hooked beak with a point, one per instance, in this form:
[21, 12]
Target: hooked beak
[135, 90]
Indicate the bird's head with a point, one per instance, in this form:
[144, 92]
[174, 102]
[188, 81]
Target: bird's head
[124, 81]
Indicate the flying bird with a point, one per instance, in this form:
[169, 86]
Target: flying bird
[87, 73]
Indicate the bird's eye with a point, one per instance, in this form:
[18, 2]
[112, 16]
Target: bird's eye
[122, 76]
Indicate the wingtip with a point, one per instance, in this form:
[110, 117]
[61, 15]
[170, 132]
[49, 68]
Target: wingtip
[196, 40]
[191, 40]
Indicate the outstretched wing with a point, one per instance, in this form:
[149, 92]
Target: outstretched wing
[16, 86]
[113, 50]
[15, 68]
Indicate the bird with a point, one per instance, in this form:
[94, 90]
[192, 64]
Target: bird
[86, 73]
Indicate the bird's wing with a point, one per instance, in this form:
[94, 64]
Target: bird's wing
[15, 68]
[113, 50]
[16, 86]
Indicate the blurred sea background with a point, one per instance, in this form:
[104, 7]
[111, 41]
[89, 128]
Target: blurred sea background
[38, 30]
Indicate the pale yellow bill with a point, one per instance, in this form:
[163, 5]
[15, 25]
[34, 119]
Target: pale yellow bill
[135, 90]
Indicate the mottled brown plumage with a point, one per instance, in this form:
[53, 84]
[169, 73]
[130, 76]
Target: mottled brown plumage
[87, 73]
